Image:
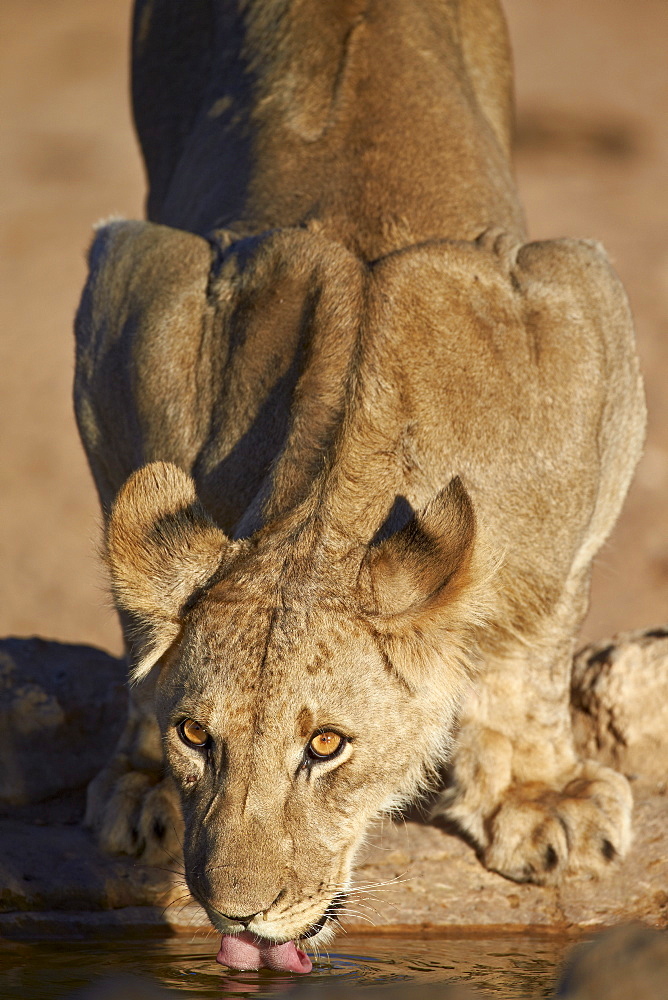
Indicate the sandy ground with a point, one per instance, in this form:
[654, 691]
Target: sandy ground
[592, 82]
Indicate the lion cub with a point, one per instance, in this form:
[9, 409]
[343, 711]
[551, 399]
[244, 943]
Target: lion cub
[356, 443]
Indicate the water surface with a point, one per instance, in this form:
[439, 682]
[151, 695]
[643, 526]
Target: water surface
[509, 967]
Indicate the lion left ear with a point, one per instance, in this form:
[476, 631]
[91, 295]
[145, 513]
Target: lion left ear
[420, 568]
[420, 594]
[161, 548]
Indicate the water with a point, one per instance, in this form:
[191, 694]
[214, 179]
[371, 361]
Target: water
[508, 967]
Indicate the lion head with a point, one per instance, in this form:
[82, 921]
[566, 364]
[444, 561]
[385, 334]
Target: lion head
[305, 683]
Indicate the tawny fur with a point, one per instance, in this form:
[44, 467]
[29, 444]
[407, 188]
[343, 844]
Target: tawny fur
[356, 443]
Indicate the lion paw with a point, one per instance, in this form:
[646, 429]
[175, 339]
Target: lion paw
[536, 834]
[136, 813]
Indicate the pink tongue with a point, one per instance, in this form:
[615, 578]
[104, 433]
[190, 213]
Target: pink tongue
[246, 951]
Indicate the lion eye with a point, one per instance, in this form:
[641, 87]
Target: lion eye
[325, 745]
[193, 734]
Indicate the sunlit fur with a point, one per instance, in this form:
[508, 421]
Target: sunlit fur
[357, 443]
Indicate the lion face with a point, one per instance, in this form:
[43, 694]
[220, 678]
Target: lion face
[285, 733]
[299, 692]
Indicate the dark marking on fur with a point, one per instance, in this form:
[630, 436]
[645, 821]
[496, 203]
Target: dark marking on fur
[551, 858]
[608, 850]
[389, 665]
[602, 656]
[564, 826]
[280, 896]
[200, 592]
[321, 661]
[305, 724]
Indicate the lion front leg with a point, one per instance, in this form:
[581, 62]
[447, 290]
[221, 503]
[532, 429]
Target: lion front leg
[517, 788]
[131, 806]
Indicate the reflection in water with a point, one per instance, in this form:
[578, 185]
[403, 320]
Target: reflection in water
[508, 967]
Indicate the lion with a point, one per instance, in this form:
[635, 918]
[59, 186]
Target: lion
[356, 443]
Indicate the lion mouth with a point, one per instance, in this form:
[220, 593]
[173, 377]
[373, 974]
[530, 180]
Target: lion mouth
[248, 951]
[331, 911]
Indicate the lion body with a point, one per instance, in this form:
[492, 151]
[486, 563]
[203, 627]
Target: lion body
[371, 441]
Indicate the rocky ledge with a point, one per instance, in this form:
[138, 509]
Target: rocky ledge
[61, 708]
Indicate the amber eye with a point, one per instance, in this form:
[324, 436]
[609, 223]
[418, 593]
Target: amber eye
[325, 745]
[193, 734]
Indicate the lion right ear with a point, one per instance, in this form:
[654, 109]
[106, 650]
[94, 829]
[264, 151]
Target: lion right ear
[161, 548]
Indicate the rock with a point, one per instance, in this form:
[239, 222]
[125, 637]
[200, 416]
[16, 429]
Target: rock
[630, 961]
[443, 884]
[620, 703]
[61, 709]
[59, 867]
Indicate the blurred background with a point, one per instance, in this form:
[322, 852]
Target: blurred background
[592, 161]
